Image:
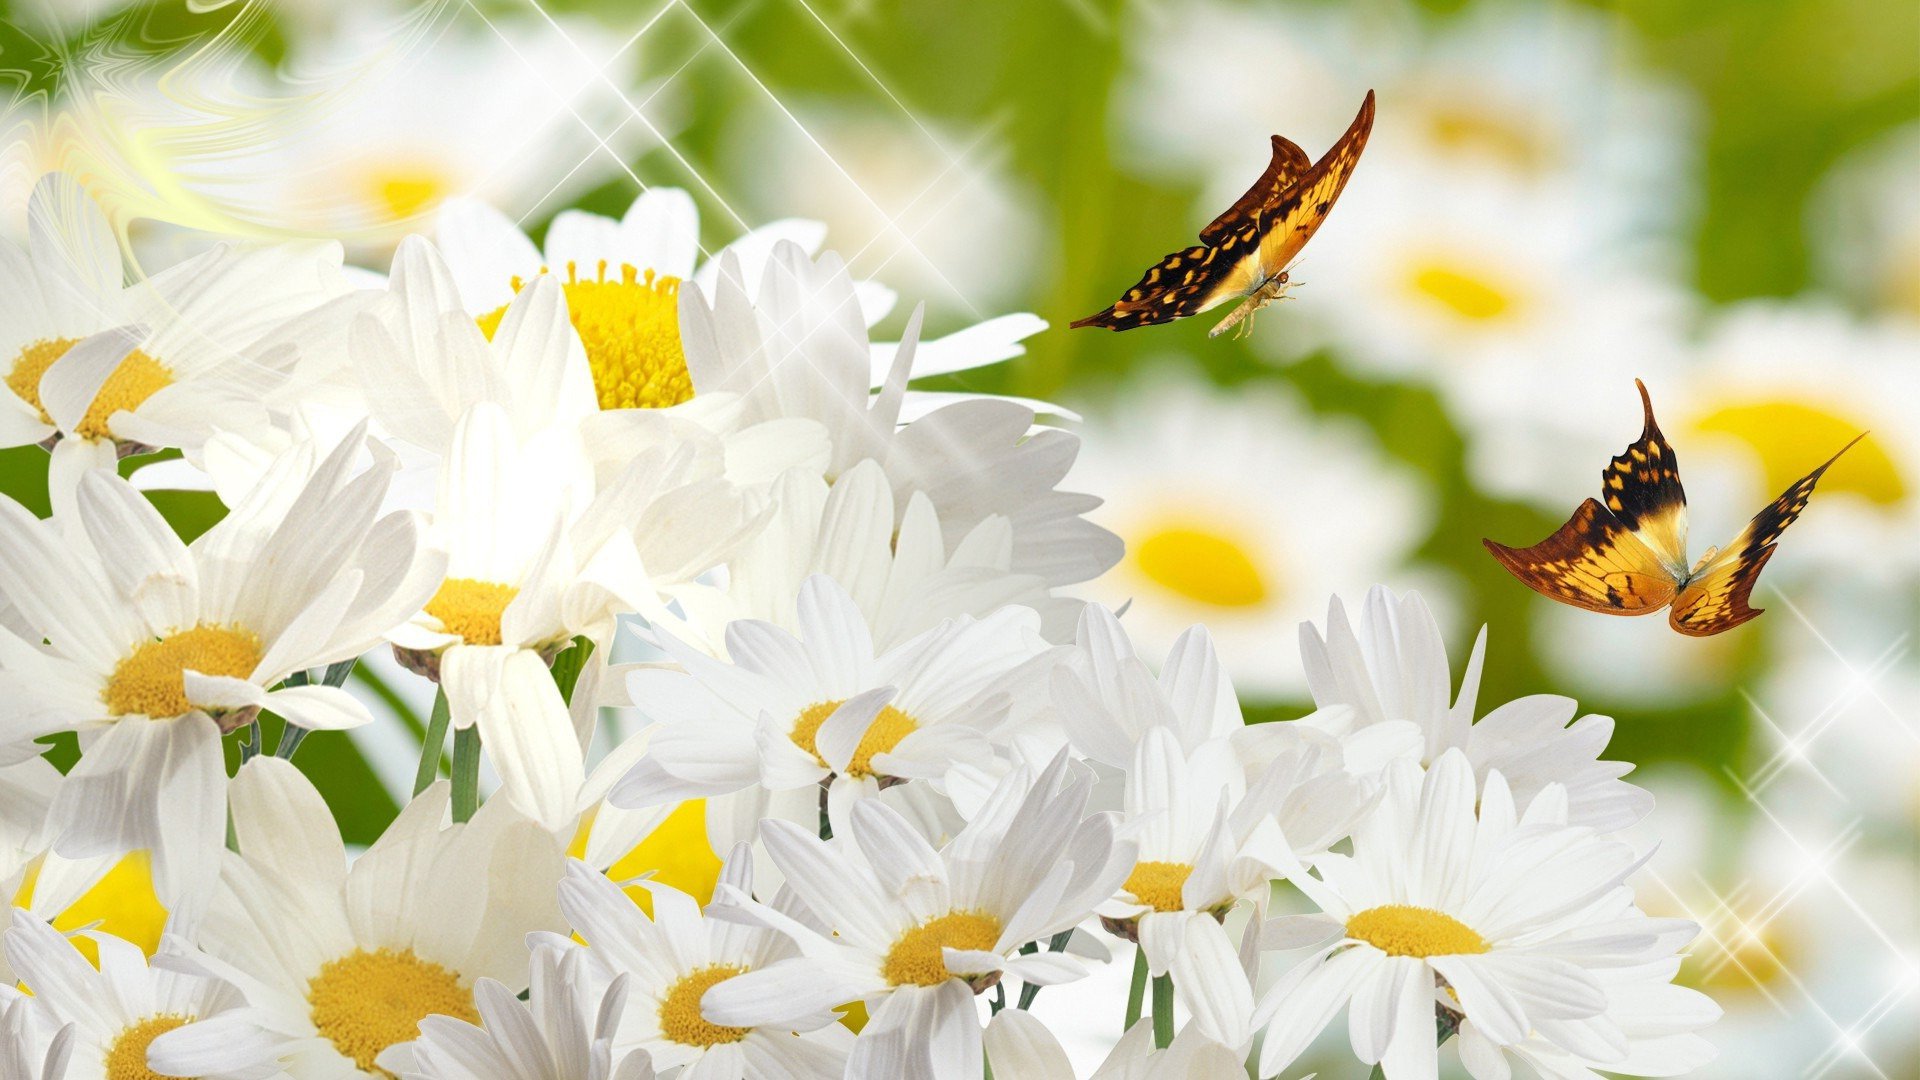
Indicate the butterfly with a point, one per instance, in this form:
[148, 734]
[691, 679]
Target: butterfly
[1244, 253]
[1627, 555]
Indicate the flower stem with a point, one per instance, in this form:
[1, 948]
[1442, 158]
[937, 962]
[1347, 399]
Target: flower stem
[1138, 994]
[1056, 943]
[1162, 1010]
[250, 748]
[466, 773]
[432, 745]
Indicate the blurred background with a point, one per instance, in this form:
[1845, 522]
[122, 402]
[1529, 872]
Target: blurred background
[1720, 197]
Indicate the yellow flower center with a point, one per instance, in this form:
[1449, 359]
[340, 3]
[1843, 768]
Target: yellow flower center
[138, 378]
[1791, 437]
[1405, 930]
[677, 853]
[365, 1001]
[127, 1057]
[121, 903]
[916, 958]
[1158, 884]
[680, 1016]
[404, 190]
[149, 682]
[1201, 564]
[882, 735]
[1744, 957]
[1467, 294]
[1462, 127]
[471, 608]
[631, 330]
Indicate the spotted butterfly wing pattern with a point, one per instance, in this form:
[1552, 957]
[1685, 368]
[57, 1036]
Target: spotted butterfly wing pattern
[1715, 598]
[1626, 555]
[1251, 243]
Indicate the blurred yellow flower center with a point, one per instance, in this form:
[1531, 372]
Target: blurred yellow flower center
[676, 853]
[1405, 930]
[630, 327]
[137, 378]
[680, 1016]
[1202, 565]
[916, 958]
[1158, 884]
[150, 683]
[121, 903]
[882, 735]
[1467, 294]
[405, 190]
[1744, 957]
[1462, 127]
[471, 608]
[127, 1057]
[364, 1002]
[1790, 438]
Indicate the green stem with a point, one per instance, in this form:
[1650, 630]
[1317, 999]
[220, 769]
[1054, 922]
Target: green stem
[569, 664]
[1138, 994]
[433, 745]
[1162, 1011]
[1378, 1073]
[466, 773]
[250, 748]
[1054, 944]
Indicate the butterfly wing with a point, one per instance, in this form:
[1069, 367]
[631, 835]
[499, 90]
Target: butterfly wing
[1249, 243]
[1289, 164]
[1642, 489]
[1289, 221]
[1594, 562]
[1715, 599]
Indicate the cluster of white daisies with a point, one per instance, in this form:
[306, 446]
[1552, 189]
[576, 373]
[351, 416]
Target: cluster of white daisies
[935, 784]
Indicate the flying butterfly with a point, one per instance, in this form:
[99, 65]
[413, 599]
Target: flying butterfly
[1245, 253]
[1626, 554]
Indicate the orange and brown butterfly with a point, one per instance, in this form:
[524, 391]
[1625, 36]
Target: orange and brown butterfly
[1626, 554]
[1245, 253]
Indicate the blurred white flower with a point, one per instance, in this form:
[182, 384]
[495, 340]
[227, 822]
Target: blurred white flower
[1864, 222]
[1020, 1047]
[132, 1020]
[1243, 511]
[823, 710]
[1521, 914]
[673, 960]
[155, 647]
[349, 961]
[566, 1027]
[1393, 666]
[916, 933]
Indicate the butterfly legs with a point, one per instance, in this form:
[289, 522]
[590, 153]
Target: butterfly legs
[1242, 317]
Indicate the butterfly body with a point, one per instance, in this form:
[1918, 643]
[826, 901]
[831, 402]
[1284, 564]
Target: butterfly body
[1627, 555]
[1245, 253]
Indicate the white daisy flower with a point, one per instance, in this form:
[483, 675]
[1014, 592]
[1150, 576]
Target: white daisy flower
[566, 1027]
[348, 961]
[1211, 542]
[896, 566]
[916, 933]
[1657, 1022]
[156, 647]
[623, 279]
[1457, 904]
[1019, 1047]
[97, 368]
[796, 347]
[1864, 222]
[825, 709]
[1393, 666]
[673, 960]
[29, 1050]
[130, 1020]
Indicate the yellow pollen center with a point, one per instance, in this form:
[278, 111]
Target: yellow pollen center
[149, 682]
[1405, 930]
[138, 378]
[1158, 884]
[1790, 437]
[916, 958]
[1467, 295]
[1202, 565]
[365, 1001]
[680, 1016]
[630, 328]
[882, 735]
[471, 608]
[127, 1058]
[404, 191]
